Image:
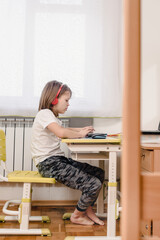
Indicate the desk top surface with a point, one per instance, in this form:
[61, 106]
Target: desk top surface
[90, 140]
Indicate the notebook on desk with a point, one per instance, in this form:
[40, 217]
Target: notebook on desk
[96, 135]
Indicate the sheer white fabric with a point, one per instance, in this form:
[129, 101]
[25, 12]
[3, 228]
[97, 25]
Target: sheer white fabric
[77, 42]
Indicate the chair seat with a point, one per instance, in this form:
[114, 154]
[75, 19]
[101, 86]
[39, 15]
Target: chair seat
[28, 176]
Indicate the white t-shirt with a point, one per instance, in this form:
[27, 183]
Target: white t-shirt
[44, 143]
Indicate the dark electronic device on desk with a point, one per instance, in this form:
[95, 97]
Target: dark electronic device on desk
[152, 132]
[96, 135]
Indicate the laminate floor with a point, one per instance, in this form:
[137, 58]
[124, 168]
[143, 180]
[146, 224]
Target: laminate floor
[59, 228]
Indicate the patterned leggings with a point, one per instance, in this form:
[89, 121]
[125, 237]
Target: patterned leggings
[82, 176]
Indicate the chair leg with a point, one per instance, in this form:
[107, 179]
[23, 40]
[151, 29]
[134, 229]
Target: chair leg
[24, 217]
[25, 207]
[12, 231]
[44, 219]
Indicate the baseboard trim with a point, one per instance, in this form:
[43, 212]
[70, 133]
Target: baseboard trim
[49, 203]
[55, 203]
[52, 203]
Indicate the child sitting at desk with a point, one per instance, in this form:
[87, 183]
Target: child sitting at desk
[50, 160]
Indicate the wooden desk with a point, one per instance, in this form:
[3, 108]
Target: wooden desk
[150, 161]
[96, 149]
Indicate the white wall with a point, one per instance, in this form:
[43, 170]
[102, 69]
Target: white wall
[108, 125]
[150, 72]
[150, 64]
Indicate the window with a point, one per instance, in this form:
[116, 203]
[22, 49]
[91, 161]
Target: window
[77, 42]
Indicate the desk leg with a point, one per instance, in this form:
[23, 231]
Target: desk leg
[112, 190]
[100, 200]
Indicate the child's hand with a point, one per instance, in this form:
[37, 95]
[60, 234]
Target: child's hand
[90, 128]
[84, 131]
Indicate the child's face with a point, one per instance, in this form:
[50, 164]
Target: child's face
[63, 103]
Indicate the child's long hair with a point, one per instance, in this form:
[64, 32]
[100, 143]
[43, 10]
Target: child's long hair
[49, 93]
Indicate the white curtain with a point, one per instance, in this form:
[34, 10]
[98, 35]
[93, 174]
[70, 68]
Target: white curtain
[77, 42]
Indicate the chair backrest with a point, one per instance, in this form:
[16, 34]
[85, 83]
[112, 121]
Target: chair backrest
[3, 169]
[2, 146]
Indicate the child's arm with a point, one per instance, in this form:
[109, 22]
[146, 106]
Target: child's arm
[62, 132]
[79, 129]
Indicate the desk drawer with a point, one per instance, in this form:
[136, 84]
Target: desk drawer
[147, 161]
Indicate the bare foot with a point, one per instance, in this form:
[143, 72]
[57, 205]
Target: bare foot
[80, 218]
[93, 216]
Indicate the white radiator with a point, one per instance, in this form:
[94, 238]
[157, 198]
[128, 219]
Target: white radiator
[18, 134]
